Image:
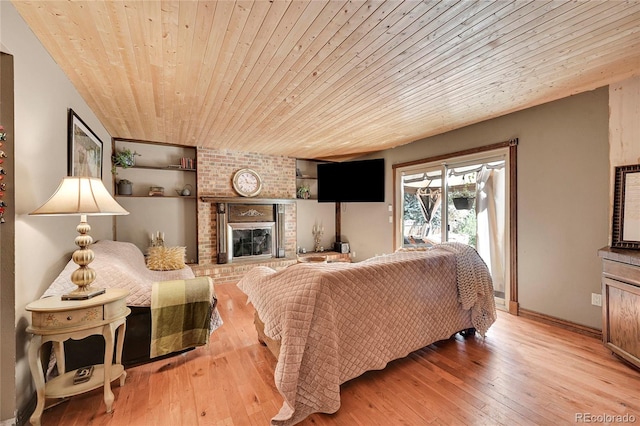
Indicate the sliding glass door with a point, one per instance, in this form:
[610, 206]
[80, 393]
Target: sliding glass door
[462, 200]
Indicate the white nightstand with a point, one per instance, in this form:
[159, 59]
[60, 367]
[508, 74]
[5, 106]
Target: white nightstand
[55, 320]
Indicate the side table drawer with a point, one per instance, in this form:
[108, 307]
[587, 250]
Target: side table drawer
[65, 319]
[115, 309]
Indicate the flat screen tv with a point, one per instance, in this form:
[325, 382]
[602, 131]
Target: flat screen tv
[351, 181]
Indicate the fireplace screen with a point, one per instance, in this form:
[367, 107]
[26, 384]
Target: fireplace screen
[250, 240]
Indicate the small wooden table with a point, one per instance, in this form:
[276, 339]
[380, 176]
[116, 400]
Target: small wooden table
[55, 320]
[323, 256]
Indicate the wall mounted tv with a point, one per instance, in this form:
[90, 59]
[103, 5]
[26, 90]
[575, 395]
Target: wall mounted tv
[351, 181]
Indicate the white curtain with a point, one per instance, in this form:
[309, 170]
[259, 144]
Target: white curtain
[490, 209]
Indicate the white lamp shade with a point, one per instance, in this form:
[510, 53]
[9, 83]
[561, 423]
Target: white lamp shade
[80, 196]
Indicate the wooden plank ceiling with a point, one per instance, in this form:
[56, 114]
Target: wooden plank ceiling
[320, 79]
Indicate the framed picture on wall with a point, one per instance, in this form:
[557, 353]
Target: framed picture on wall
[84, 149]
[625, 231]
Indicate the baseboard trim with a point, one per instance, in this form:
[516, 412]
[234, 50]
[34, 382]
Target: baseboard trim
[567, 325]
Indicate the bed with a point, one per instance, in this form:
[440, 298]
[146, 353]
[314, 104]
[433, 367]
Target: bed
[329, 323]
[122, 265]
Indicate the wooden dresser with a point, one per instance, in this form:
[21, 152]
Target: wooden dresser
[621, 303]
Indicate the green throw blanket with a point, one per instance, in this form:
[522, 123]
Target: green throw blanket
[181, 312]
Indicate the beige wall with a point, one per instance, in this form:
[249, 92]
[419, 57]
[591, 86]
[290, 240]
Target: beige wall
[310, 213]
[563, 190]
[43, 244]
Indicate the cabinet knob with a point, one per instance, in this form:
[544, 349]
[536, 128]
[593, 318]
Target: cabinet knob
[69, 318]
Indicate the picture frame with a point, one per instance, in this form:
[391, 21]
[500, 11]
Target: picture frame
[84, 149]
[625, 232]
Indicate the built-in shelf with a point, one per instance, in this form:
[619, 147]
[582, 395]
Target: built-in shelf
[177, 169]
[192, 197]
[307, 175]
[166, 166]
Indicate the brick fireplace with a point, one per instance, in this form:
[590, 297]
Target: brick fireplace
[215, 191]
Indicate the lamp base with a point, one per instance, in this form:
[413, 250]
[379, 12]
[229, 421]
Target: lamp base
[83, 294]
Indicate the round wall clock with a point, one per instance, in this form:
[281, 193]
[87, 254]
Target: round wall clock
[247, 182]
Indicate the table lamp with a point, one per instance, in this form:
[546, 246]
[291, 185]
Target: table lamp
[81, 196]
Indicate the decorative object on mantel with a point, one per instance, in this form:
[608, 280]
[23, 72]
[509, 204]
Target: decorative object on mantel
[124, 158]
[81, 196]
[304, 192]
[317, 236]
[625, 232]
[125, 187]
[247, 182]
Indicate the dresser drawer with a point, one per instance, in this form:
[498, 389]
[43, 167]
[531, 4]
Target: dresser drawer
[66, 319]
[621, 272]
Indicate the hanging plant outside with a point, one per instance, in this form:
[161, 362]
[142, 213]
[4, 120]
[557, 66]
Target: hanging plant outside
[463, 199]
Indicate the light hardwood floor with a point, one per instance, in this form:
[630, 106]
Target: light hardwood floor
[522, 373]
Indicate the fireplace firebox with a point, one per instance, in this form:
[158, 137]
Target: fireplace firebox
[247, 231]
[251, 240]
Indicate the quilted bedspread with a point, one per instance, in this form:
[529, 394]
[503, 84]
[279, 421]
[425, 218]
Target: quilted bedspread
[335, 321]
[121, 265]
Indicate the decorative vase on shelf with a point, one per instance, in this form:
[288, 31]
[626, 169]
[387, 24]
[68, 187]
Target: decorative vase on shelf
[125, 187]
[304, 192]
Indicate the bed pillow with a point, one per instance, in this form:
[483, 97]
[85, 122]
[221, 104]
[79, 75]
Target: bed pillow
[166, 258]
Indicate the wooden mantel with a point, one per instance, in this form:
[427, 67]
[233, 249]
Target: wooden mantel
[246, 200]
